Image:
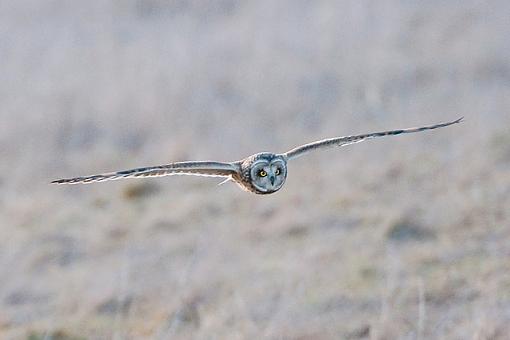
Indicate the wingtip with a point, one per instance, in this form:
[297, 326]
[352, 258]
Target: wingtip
[460, 120]
[61, 181]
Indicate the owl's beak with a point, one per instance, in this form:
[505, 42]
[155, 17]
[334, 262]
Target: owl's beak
[271, 179]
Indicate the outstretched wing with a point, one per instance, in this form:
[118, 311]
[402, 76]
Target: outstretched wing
[341, 141]
[205, 168]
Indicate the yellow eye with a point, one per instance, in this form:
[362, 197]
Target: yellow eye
[277, 172]
[262, 173]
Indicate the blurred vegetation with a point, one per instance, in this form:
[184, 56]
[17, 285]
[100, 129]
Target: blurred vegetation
[399, 238]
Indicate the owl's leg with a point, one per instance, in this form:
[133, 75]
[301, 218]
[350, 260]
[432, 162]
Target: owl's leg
[228, 179]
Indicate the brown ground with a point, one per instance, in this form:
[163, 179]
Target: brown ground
[400, 238]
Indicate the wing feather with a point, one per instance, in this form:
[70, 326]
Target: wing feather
[342, 141]
[205, 168]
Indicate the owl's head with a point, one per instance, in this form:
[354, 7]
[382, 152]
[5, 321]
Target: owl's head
[267, 172]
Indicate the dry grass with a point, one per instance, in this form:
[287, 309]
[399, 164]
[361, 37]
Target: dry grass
[402, 238]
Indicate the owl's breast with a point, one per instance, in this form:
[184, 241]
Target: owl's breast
[244, 181]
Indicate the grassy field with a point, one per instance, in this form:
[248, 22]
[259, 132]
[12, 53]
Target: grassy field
[406, 237]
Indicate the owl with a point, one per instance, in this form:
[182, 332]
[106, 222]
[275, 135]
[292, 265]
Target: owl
[262, 173]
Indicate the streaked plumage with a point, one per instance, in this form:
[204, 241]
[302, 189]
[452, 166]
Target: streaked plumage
[262, 173]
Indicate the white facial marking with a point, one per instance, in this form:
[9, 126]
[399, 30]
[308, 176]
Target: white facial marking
[268, 176]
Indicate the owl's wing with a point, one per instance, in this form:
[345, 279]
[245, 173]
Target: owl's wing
[205, 168]
[341, 141]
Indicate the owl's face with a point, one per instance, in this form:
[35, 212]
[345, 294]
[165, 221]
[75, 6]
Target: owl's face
[268, 173]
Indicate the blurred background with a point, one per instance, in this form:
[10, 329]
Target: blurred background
[399, 238]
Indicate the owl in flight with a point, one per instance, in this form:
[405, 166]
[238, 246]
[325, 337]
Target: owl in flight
[261, 173]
